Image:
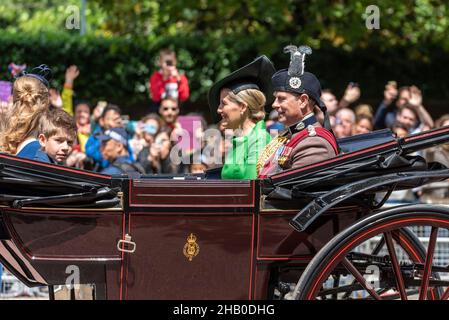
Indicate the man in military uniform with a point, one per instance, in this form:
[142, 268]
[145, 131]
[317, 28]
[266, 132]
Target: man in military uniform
[305, 141]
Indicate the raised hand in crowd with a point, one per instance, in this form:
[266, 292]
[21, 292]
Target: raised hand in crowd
[390, 92]
[352, 94]
[415, 101]
[66, 97]
[98, 110]
[385, 114]
[71, 74]
[55, 98]
[415, 96]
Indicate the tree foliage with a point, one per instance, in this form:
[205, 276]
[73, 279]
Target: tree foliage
[214, 37]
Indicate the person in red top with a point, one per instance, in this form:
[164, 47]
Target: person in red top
[168, 81]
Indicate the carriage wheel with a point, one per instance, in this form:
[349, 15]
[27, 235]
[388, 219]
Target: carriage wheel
[375, 259]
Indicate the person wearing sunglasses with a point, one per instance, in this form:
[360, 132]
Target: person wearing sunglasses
[169, 111]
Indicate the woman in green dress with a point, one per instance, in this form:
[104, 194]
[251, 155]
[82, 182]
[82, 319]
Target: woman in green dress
[240, 99]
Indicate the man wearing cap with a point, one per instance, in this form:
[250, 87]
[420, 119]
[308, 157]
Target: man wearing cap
[114, 149]
[305, 141]
[110, 118]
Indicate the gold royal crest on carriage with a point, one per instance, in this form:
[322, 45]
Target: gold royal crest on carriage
[191, 248]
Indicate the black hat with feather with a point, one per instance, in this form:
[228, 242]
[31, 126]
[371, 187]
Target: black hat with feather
[296, 80]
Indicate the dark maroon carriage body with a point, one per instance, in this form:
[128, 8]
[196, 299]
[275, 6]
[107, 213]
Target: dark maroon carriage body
[237, 241]
[194, 239]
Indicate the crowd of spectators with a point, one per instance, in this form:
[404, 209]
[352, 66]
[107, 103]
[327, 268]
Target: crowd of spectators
[109, 142]
[400, 110]
[403, 112]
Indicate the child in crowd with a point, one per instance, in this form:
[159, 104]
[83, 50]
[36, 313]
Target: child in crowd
[56, 135]
[399, 129]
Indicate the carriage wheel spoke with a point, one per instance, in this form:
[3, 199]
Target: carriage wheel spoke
[336, 284]
[428, 264]
[379, 246]
[375, 252]
[396, 267]
[445, 294]
[359, 277]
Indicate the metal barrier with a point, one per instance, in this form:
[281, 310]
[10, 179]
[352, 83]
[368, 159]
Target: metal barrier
[13, 288]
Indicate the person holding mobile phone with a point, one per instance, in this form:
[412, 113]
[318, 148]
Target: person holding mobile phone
[148, 157]
[168, 81]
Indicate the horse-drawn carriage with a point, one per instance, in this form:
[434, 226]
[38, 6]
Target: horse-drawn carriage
[317, 232]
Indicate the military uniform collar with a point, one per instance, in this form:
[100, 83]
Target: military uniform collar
[308, 120]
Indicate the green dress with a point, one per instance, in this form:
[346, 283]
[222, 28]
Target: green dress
[241, 160]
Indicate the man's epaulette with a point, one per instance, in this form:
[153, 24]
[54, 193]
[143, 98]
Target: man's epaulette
[312, 131]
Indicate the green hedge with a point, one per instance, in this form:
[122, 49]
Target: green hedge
[111, 69]
[117, 69]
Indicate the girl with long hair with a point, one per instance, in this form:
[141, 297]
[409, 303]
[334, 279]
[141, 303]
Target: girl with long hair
[30, 99]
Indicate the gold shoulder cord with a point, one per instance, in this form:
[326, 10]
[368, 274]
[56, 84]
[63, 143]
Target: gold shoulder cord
[269, 150]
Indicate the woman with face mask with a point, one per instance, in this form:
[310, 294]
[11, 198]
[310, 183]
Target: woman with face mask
[150, 128]
[239, 99]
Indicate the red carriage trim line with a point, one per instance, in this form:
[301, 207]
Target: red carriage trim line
[57, 166]
[437, 133]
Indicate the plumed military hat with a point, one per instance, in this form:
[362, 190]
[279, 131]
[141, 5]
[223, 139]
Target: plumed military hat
[296, 80]
[255, 75]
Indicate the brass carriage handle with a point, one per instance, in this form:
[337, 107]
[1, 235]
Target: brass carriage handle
[123, 244]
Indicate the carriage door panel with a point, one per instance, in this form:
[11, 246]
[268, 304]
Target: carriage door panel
[194, 239]
[50, 244]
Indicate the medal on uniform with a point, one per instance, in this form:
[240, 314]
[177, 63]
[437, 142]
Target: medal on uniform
[269, 151]
[284, 154]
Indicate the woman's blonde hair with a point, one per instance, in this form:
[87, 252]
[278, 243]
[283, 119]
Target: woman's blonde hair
[30, 99]
[364, 110]
[254, 99]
